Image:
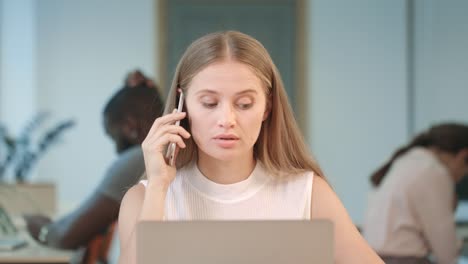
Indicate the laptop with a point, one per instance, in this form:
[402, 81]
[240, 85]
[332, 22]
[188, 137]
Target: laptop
[229, 242]
[9, 239]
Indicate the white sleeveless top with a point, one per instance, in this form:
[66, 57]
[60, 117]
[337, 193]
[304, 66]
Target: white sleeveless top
[192, 196]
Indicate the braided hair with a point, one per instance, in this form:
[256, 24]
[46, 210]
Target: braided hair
[139, 99]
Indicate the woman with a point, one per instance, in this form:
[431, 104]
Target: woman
[411, 214]
[241, 153]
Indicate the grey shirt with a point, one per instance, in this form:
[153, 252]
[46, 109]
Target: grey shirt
[123, 173]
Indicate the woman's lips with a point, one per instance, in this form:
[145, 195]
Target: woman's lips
[226, 140]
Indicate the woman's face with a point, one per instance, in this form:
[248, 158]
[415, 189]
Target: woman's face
[460, 165]
[226, 105]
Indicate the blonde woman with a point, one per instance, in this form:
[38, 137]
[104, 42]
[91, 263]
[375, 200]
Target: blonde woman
[241, 153]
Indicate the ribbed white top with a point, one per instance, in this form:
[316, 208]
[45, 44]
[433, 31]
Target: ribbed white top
[192, 196]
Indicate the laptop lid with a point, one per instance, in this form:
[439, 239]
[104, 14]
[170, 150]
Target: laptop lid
[215, 242]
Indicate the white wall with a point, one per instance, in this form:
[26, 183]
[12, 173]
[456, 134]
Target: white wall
[441, 61]
[1, 57]
[85, 48]
[17, 63]
[358, 91]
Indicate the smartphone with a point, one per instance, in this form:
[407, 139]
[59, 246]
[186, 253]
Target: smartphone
[170, 154]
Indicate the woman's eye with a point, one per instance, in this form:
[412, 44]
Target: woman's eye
[244, 103]
[244, 106]
[209, 105]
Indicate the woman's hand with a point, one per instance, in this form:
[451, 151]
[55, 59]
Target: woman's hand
[162, 132]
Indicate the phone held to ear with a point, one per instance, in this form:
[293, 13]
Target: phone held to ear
[171, 150]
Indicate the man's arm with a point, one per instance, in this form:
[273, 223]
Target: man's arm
[79, 227]
[98, 211]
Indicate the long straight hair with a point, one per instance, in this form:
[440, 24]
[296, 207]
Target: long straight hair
[280, 145]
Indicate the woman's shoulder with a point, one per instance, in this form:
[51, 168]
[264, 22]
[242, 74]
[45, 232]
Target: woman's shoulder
[134, 195]
[325, 202]
[300, 183]
[305, 176]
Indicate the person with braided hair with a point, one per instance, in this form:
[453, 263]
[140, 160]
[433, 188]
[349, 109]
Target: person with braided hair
[128, 116]
[410, 218]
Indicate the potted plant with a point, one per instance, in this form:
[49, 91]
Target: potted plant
[18, 156]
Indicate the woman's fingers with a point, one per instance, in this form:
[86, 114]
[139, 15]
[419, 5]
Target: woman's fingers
[166, 119]
[159, 134]
[166, 135]
[172, 129]
[162, 141]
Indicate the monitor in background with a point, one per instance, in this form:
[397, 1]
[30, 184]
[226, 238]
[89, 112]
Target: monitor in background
[461, 190]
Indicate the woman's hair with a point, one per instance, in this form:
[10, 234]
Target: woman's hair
[449, 137]
[138, 99]
[280, 146]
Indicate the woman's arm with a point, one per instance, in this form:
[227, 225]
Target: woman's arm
[350, 246]
[432, 203]
[138, 204]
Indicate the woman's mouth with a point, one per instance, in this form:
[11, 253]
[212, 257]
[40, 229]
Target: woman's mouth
[226, 140]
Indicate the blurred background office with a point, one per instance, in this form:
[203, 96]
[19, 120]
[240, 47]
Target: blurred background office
[364, 76]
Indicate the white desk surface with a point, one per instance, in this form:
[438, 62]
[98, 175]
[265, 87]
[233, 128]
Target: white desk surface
[33, 252]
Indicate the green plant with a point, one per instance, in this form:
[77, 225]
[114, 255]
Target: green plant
[23, 152]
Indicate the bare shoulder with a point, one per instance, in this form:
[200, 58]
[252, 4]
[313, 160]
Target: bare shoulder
[350, 247]
[130, 209]
[325, 202]
[136, 191]
[132, 201]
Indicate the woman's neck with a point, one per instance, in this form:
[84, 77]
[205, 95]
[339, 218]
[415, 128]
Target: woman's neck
[225, 172]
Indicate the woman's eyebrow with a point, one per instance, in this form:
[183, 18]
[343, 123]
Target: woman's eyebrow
[238, 93]
[247, 91]
[206, 91]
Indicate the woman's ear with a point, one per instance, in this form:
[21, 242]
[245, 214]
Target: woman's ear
[267, 112]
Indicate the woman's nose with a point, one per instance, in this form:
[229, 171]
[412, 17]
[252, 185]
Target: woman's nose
[227, 117]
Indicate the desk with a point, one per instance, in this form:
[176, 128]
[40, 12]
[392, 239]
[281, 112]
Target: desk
[35, 253]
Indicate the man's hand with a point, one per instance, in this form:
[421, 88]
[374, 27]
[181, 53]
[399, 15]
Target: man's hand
[34, 224]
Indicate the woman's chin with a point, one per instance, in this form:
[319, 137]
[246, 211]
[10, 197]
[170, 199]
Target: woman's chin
[227, 155]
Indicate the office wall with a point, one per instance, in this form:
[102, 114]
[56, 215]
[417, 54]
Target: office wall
[358, 91]
[1, 45]
[441, 61]
[85, 48]
[17, 62]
